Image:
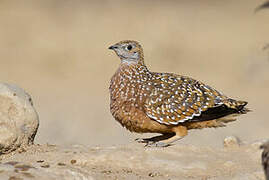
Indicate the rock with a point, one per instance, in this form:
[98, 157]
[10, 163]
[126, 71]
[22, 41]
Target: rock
[21, 171]
[257, 144]
[265, 158]
[18, 118]
[231, 142]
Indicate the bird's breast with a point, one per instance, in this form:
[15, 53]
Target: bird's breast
[128, 92]
[129, 88]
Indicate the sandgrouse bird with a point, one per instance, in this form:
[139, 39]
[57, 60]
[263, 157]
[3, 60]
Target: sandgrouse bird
[265, 159]
[165, 103]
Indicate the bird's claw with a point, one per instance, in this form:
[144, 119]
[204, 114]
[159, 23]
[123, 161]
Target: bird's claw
[141, 140]
[157, 144]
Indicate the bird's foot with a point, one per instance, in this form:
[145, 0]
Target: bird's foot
[157, 144]
[142, 140]
[154, 139]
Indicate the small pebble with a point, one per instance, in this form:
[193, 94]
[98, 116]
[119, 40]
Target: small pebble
[61, 164]
[45, 166]
[153, 174]
[73, 161]
[231, 141]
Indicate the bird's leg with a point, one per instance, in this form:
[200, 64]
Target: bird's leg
[155, 138]
[180, 132]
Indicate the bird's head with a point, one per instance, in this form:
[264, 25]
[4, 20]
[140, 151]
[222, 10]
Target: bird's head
[128, 50]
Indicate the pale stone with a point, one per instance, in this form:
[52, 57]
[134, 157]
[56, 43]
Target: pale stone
[231, 141]
[18, 118]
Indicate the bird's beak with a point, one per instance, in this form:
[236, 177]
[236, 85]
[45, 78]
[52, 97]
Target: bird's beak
[113, 47]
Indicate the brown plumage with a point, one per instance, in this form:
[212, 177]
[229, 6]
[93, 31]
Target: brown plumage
[166, 103]
[265, 159]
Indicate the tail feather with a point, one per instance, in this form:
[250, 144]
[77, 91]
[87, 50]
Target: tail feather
[237, 105]
[219, 116]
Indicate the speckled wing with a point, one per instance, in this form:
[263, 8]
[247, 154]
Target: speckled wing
[176, 99]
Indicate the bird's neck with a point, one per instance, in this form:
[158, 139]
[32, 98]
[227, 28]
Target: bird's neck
[134, 66]
[139, 60]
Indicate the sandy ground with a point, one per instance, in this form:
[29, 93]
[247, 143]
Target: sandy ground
[133, 161]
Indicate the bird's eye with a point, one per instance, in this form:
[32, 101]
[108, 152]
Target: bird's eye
[129, 47]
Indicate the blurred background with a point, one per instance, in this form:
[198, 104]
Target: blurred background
[57, 51]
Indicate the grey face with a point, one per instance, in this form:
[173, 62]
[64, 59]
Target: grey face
[126, 51]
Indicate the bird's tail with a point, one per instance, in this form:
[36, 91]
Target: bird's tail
[237, 105]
